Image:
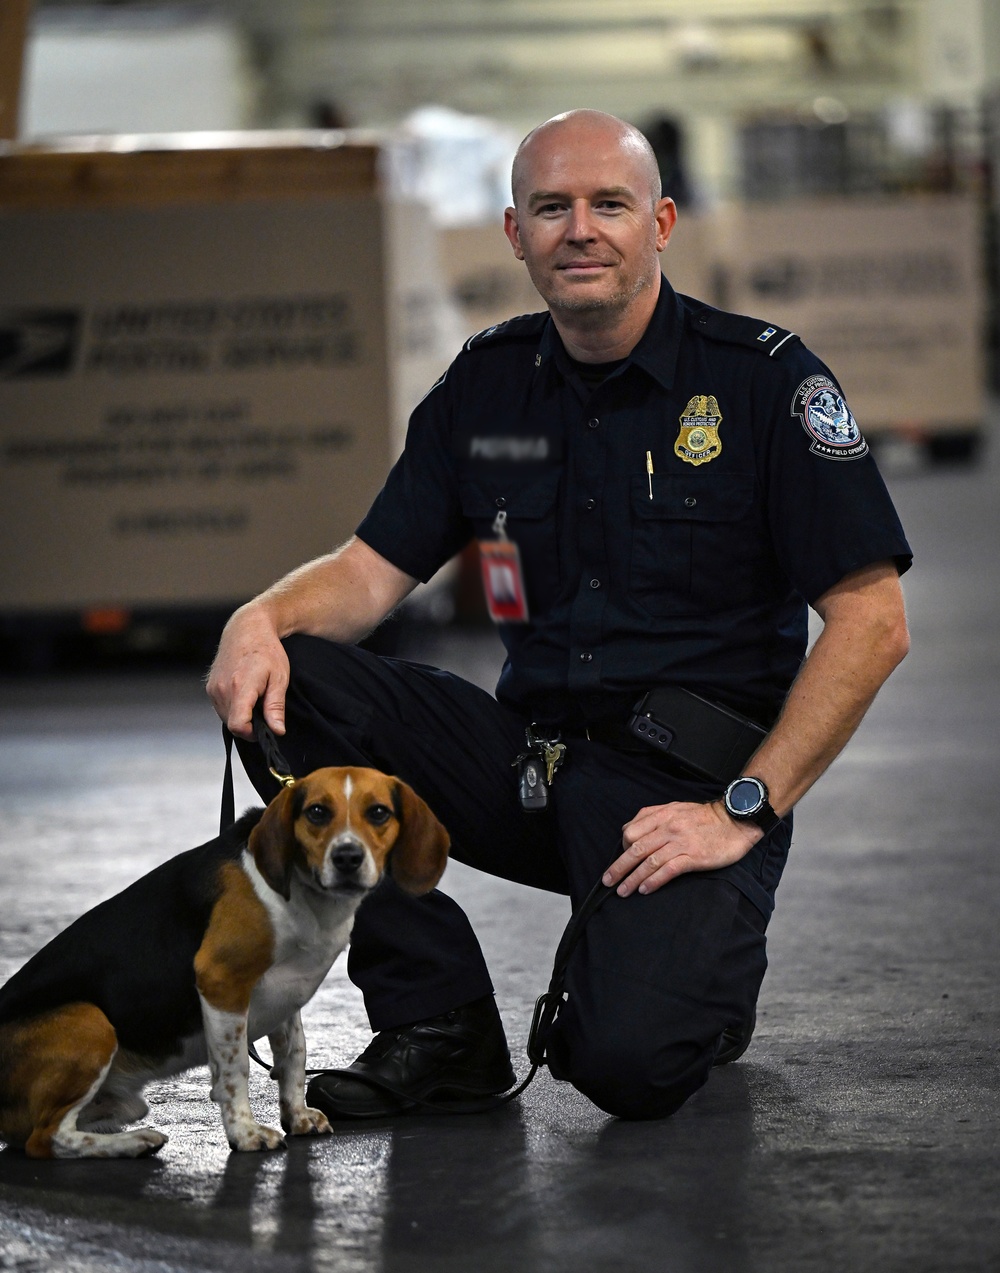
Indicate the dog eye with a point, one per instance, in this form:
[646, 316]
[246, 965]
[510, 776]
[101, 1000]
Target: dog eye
[378, 814]
[318, 814]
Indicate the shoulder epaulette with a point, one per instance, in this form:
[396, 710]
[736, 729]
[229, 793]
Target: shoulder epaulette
[740, 329]
[524, 325]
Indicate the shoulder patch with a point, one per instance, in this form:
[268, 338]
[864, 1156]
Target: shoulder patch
[741, 329]
[524, 326]
[827, 420]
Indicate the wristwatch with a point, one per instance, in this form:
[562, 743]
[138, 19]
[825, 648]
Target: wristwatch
[746, 801]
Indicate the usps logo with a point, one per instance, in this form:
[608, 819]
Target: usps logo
[37, 342]
[828, 421]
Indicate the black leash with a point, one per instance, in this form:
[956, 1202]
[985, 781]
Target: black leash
[276, 763]
[547, 1005]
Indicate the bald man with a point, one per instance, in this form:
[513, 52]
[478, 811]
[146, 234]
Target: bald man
[658, 497]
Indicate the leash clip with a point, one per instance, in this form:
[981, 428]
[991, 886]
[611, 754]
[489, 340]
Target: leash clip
[286, 780]
[546, 1008]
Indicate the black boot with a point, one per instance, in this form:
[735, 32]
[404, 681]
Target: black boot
[459, 1056]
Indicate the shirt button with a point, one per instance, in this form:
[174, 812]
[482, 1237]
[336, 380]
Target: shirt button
[501, 502]
[595, 583]
[586, 658]
[592, 424]
[690, 502]
[591, 503]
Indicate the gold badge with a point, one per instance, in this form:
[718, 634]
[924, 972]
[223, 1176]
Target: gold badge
[699, 441]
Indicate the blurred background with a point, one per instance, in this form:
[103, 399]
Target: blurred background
[238, 242]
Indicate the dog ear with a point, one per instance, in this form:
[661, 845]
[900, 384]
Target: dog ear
[272, 841]
[420, 853]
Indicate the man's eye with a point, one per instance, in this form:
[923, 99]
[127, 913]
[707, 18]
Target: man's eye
[318, 814]
[378, 814]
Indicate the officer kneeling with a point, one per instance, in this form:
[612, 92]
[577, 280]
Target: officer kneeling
[659, 490]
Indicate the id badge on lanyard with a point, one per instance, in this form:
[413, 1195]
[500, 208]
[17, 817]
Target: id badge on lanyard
[503, 578]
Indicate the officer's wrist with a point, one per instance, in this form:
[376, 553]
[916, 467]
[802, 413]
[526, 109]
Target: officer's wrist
[739, 832]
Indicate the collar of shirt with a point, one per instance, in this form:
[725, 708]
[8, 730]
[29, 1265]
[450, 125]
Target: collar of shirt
[657, 351]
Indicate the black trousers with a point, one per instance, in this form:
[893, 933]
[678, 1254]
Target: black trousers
[655, 979]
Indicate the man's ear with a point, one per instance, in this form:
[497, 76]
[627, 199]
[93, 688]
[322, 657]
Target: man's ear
[665, 215]
[420, 853]
[513, 233]
[272, 841]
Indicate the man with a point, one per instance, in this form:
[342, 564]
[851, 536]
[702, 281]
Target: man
[660, 468]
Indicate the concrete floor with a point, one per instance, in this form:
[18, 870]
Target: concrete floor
[858, 1133]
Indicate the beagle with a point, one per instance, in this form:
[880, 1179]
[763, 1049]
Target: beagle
[216, 948]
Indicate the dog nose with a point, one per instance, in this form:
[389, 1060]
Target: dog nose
[347, 858]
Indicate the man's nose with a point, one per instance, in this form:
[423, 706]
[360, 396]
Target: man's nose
[581, 227]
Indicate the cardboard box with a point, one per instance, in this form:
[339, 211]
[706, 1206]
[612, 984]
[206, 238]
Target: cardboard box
[194, 371]
[485, 280]
[888, 292]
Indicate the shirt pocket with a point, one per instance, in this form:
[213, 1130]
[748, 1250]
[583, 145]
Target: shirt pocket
[531, 523]
[693, 543]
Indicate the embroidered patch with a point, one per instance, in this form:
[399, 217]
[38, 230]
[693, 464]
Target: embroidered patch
[699, 441]
[827, 420]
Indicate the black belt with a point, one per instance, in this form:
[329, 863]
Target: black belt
[612, 733]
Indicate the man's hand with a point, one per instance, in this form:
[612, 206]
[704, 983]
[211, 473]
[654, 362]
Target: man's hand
[666, 840]
[250, 664]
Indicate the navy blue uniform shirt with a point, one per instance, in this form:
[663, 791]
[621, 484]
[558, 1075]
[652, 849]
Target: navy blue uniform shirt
[764, 496]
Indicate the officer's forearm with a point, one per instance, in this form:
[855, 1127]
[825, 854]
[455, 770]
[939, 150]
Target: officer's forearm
[864, 638]
[341, 596]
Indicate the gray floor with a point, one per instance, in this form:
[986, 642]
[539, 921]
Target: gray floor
[859, 1132]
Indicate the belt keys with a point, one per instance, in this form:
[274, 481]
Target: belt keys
[536, 768]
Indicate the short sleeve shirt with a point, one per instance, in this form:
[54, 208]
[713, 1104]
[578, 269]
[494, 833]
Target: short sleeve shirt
[763, 495]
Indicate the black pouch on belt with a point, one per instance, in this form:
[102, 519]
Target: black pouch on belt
[712, 741]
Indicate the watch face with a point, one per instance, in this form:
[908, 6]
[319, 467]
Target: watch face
[745, 796]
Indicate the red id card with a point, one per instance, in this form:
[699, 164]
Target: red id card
[503, 581]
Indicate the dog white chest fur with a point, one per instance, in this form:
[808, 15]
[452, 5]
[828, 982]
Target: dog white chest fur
[310, 930]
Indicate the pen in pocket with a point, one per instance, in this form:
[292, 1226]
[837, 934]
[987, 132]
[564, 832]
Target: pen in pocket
[649, 471]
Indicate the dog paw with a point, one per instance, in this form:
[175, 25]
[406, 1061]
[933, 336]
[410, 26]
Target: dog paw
[305, 1122]
[149, 1140]
[256, 1137]
[139, 1143]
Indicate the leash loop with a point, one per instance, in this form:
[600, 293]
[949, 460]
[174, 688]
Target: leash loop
[277, 765]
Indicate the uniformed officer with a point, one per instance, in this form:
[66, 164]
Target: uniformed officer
[659, 490]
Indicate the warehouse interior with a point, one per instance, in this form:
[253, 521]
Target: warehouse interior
[239, 241]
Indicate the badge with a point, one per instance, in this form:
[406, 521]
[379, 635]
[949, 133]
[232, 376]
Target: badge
[827, 420]
[503, 580]
[699, 441]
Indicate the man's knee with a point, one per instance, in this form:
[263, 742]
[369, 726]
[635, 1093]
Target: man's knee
[632, 1077]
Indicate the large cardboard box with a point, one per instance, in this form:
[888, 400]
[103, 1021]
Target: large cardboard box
[889, 292]
[194, 370]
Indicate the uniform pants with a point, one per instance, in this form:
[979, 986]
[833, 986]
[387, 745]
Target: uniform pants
[655, 978]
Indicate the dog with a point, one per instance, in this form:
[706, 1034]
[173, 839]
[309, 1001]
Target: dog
[213, 950]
